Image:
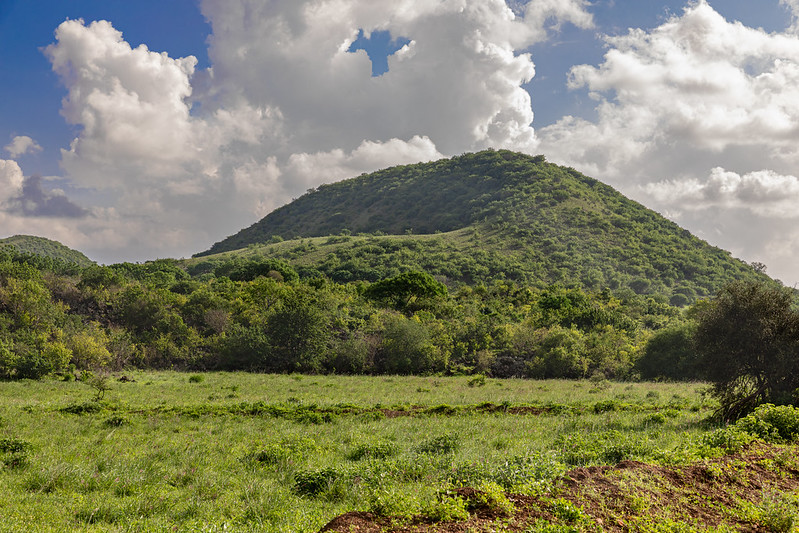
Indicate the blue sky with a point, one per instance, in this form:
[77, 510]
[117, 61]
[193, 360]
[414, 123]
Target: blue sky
[131, 154]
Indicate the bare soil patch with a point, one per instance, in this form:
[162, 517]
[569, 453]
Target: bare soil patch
[628, 497]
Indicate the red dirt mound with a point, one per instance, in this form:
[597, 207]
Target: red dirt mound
[628, 497]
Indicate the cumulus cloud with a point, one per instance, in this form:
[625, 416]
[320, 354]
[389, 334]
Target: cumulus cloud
[458, 81]
[698, 80]
[764, 192]
[172, 159]
[11, 180]
[21, 145]
[698, 118]
[34, 200]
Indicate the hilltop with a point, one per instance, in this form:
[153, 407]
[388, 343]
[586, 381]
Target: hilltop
[28, 244]
[492, 215]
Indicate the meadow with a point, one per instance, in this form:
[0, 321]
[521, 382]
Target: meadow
[169, 451]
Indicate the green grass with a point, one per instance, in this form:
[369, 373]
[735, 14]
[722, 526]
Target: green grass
[168, 453]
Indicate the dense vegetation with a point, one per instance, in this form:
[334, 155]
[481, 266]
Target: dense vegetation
[260, 315]
[481, 217]
[464, 302]
[40, 246]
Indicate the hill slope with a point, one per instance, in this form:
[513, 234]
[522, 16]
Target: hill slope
[29, 244]
[491, 215]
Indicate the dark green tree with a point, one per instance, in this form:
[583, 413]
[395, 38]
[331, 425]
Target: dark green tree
[400, 290]
[671, 354]
[299, 334]
[748, 340]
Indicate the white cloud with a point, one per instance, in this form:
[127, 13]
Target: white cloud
[679, 103]
[284, 108]
[764, 193]
[11, 180]
[21, 145]
[697, 80]
[458, 82]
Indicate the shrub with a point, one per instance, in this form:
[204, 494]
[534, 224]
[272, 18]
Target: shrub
[83, 408]
[378, 450]
[329, 483]
[490, 495]
[14, 453]
[609, 447]
[778, 514]
[390, 501]
[448, 507]
[115, 421]
[446, 443]
[772, 423]
[748, 339]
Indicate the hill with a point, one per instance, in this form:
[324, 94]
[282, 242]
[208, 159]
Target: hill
[40, 246]
[485, 216]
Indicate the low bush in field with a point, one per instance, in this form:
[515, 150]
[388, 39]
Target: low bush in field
[532, 474]
[777, 424]
[376, 450]
[14, 453]
[605, 447]
[446, 443]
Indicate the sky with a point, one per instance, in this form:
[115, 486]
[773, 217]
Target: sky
[150, 129]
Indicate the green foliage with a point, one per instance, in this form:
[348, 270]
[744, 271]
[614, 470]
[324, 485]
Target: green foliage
[407, 348]
[44, 248]
[748, 337]
[448, 507]
[250, 269]
[500, 215]
[608, 447]
[402, 289]
[14, 452]
[443, 444]
[778, 514]
[772, 423]
[376, 450]
[671, 354]
[299, 335]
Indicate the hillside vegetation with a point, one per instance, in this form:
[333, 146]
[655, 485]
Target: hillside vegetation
[493, 215]
[554, 276]
[28, 244]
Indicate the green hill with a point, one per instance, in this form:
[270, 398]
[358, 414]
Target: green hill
[29, 244]
[483, 217]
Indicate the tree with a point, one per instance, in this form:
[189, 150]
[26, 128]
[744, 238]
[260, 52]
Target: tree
[748, 341]
[299, 334]
[402, 289]
[671, 354]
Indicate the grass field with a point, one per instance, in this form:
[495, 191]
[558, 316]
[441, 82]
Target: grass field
[166, 451]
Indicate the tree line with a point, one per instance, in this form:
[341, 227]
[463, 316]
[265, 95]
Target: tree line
[261, 315]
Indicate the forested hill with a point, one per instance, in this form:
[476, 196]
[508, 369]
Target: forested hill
[40, 246]
[486, 216]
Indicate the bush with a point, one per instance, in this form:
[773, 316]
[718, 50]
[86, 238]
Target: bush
[314, 483]
[748, 338]
[772, 423]
[671, 354]
[378, 450]
[448, 507]
[446, 443]
[609, 447]
[408, 349]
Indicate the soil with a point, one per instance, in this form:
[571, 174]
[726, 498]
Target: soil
[627, 497]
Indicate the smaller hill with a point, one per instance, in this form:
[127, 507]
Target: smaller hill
[29, 244]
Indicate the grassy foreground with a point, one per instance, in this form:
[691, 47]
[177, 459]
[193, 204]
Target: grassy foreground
[164, 451]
